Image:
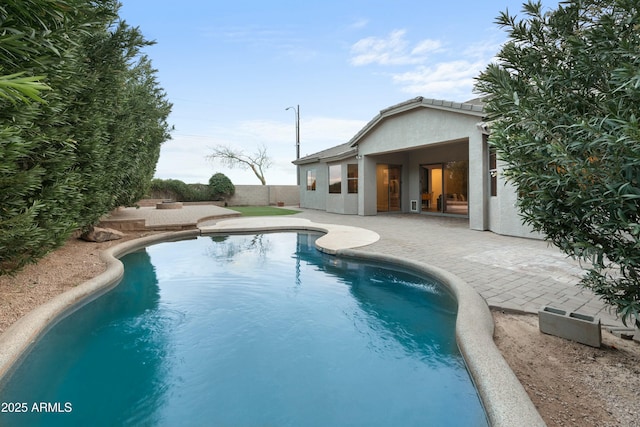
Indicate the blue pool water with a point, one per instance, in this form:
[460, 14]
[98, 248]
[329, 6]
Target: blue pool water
[251, 330]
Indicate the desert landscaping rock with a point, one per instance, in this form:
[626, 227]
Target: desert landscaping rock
[100, 235]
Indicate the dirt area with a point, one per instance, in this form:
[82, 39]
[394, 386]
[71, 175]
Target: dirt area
[70, 265]
[570, 384]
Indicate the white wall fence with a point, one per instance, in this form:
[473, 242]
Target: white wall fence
[262, 195]
[246, 195]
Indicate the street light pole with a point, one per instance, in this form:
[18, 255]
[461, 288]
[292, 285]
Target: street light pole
[296, 111]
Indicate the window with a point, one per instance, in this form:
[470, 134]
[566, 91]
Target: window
[335, 179]
[352, 178]
[493, 171]
[311, 180]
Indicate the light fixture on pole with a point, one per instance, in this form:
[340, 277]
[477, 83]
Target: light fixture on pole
[296, 111]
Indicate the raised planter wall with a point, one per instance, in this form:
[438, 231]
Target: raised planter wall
[169, 205]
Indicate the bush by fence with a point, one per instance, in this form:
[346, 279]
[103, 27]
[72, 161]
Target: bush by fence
[244, 195]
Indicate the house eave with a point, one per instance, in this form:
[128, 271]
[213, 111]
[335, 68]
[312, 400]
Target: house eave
[342, 156]
[328, 159]
[419, 102]
[334, 154]
[306, 161]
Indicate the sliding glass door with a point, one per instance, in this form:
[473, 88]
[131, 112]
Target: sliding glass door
[388, 188]
[444, 187]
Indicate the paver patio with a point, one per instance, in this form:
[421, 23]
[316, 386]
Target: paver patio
[509, 272]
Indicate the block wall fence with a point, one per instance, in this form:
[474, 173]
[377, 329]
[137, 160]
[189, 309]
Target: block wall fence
[250, 195]
[263, 195]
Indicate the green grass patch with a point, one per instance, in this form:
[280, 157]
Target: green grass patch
[261, 210]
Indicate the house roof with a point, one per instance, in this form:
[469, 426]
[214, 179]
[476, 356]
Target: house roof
[338, 152]
[474, 107]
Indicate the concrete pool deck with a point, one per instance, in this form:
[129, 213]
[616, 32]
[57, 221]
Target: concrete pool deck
[508, 271]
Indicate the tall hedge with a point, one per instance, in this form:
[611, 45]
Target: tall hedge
[82, 118]
[564, 99]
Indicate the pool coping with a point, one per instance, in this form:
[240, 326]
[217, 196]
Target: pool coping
[505, 401]
[17, 339]
[503, 397]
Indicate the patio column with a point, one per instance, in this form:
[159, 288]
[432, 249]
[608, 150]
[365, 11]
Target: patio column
[367, 186]
[478, 183]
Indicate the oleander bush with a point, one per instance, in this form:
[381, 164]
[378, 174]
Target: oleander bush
[82, 118]
[563, 98]
[179, 191]
[219, 188]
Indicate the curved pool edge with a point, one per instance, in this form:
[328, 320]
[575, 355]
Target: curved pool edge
[17, 339]
[335, 238]
[503, 397]
[505, 400]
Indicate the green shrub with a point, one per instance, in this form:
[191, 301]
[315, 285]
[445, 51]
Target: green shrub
[81, 121]
[220, 187]
[179, 191]
[564, 101]
[199, 192]
[172, 189]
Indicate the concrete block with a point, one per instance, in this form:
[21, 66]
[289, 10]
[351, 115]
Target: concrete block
[572, 326]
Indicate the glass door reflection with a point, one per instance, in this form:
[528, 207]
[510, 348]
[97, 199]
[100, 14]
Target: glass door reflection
[388, 188]
[444, 187]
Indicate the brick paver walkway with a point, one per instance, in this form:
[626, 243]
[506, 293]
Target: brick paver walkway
[509, 272]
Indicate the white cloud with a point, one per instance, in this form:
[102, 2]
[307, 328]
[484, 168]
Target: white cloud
[427, 46]
[183, 158]
[392, 50]
[484, 50]
[448, 80]
[359, 24]
[429, 69]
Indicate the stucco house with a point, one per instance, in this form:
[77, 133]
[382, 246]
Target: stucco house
[422, 156]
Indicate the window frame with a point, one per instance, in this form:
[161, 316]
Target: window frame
[493, 171]
[335, 187]
[311, 180]
[352, 181]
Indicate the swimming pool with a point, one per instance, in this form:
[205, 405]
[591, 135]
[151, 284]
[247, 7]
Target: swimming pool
[252, 330]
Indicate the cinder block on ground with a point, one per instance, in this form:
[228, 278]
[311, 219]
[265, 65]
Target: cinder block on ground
[572, 326]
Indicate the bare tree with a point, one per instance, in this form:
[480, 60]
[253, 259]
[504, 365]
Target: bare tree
[258, 162]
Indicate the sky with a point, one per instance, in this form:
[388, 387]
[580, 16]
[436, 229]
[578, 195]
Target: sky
[232, 68]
